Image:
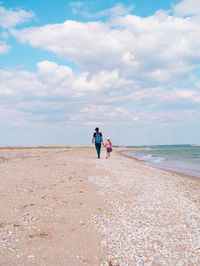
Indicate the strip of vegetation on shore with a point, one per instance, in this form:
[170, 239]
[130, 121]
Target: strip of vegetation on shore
[43, 147]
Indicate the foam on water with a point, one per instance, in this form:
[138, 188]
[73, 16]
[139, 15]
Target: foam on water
[183, 159]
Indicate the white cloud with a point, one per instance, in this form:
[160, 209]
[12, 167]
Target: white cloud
[198, 84]
[9, 115]
[56, 79]
[131, 72]
[187, 7]
[118, 117]
[4, 48]
[52, 80]
[118, 10]
[107, 115]
[48, 98]
[75, 41]
[82, 9]
[10, 18]
[158, 49]
[76, 6]
[19, 83]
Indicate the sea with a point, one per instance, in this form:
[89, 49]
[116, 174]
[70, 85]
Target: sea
[178, 158]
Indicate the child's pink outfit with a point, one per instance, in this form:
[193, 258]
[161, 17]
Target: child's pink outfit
[108, 146]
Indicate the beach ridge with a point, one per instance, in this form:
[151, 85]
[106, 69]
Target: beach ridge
[63, 206]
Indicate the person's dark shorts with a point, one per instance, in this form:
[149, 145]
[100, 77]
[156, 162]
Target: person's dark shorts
[109, 149]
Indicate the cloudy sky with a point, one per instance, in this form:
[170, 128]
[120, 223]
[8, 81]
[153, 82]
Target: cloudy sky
[130, 67]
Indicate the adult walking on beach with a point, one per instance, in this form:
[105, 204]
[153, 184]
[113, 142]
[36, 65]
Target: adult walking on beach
[97, 139]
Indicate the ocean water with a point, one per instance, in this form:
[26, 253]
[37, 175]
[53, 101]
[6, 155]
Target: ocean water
[179, 158]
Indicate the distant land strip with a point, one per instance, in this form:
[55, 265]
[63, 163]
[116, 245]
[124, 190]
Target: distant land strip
[44, 147]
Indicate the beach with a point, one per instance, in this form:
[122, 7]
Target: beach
[66, 207]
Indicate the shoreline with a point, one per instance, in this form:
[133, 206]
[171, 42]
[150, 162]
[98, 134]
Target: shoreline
[153, 213]
[168, 170]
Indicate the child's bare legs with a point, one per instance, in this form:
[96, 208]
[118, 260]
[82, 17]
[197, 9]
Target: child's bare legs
[108, 155]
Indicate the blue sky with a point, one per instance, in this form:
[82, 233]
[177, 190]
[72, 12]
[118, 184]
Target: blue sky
[132, 68]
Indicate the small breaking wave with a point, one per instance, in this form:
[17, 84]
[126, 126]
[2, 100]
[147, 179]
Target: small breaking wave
[169, 162]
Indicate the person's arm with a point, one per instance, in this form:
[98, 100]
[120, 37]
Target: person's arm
[102, 140]
[93, 138]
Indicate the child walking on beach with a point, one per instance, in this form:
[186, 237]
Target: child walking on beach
[108, 145]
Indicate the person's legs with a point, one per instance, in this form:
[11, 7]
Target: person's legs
[98, 148]
[108, 153]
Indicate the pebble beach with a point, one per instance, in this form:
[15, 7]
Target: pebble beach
[66, 207]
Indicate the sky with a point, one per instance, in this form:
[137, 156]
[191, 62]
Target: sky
[131, 68]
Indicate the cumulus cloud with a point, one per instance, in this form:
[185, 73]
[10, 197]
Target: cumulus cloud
[126, 64]
[187, 7]
[52, 79]
[158, 49]
[9, 18]
[56, 93]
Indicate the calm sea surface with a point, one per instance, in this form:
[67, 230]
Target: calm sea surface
[180, 158]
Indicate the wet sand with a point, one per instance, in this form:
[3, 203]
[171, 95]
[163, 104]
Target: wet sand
[65, 207]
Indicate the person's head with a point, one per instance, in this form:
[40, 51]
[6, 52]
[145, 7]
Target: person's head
[108, 139]
[97, 129]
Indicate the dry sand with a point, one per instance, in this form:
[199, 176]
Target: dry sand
[65, 207]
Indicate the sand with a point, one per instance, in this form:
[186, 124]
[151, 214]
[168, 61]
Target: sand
[66, 207]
